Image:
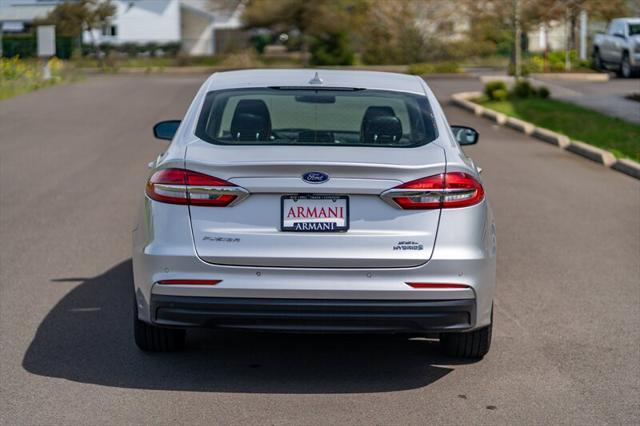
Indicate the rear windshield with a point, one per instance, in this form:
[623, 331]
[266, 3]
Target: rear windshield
[273, 116]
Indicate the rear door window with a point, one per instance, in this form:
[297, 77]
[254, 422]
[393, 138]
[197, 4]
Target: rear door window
[275, 116]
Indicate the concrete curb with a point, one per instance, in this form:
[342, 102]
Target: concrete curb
[592, 153]
[573, 76]
[628, 167]
[551, 137]
[520, 125]
[498, 117]
[604, 157]
[461, 99]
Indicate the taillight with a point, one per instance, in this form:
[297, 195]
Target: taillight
[446, 190]
[180, 186]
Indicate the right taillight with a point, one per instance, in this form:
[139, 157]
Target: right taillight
[446, 190]
[180, 186]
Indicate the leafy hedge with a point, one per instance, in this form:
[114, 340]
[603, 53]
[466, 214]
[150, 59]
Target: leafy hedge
[152, 49]
[26, 46]
[433, 68]
[497, 91]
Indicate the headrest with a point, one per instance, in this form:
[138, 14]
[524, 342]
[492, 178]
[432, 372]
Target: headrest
[371, 113]
[382, 130]
[251, 121]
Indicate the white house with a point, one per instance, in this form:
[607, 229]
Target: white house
[141, 21]
[203, 27]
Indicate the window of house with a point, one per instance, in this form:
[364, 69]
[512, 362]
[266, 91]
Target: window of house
[110, 30]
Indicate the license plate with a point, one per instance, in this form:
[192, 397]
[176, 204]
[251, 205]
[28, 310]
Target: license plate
[314, 213]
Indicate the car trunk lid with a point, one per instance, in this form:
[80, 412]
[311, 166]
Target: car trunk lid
[250, 233]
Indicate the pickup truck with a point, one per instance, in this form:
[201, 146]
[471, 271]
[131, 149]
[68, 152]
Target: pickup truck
[619, 48]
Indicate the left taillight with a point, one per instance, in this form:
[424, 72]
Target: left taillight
[181, 186]
[446, 190]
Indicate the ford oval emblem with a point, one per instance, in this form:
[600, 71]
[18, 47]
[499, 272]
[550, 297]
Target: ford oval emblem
[315, 177]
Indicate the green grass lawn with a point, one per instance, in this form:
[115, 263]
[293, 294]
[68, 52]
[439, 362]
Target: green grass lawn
[582, 124]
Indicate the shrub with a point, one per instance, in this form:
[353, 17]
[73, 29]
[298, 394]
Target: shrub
[493, 86]
[333, 49]
[499, 95]
[240, 60]
[433, 68]
[522, 89]
[543, 92]
[260, 41]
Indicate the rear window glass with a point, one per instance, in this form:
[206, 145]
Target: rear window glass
[273, 116]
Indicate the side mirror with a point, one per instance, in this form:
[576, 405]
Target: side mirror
[465, 135]
[166, 129]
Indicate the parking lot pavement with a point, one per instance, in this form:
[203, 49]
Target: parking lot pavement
[607, 97]
[72, 171]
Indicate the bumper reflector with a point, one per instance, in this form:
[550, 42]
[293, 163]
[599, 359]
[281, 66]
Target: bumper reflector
[437, 285]
[189, 282]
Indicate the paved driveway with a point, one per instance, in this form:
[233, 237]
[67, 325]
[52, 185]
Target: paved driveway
[72, 169]
[608, 97]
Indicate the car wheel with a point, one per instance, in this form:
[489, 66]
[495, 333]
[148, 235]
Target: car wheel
[472, 344]
[151, 338]
[597, 61]
[625, 67]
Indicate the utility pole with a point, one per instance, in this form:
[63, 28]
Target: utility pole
[518, 35]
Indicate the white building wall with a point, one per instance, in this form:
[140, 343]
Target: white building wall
[197, 32]
[143, 21]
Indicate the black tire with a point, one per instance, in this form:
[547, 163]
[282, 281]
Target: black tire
[625, 66]
[472, 344]
[597, 61]
[151, 338]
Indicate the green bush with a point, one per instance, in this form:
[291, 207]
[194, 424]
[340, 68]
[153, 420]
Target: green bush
[554, 62]
[493, 86]
[260, 41]
[543, 92]
[499, 95]
[433, 68]
[333, 49]
[25, 46]
[132, 50]
[522, 89]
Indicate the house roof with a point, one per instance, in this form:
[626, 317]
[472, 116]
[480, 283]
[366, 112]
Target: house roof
[223, 13]
[25, 12]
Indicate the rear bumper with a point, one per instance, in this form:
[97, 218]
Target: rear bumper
[309, 315]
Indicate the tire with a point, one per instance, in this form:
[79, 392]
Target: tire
[151, 338]
[472, 344]
[597, 61]
[625, 67]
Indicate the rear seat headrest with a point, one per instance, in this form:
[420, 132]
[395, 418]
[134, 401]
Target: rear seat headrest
[251, 121]
[382, 130]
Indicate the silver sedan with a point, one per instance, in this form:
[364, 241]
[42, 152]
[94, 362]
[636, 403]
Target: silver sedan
[315, 201]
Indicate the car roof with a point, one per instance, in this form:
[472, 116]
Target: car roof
[315, 78]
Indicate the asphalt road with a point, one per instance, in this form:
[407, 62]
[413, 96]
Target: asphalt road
[566, 346]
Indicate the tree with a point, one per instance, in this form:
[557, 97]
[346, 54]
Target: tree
[328, 22]
[72, 18]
